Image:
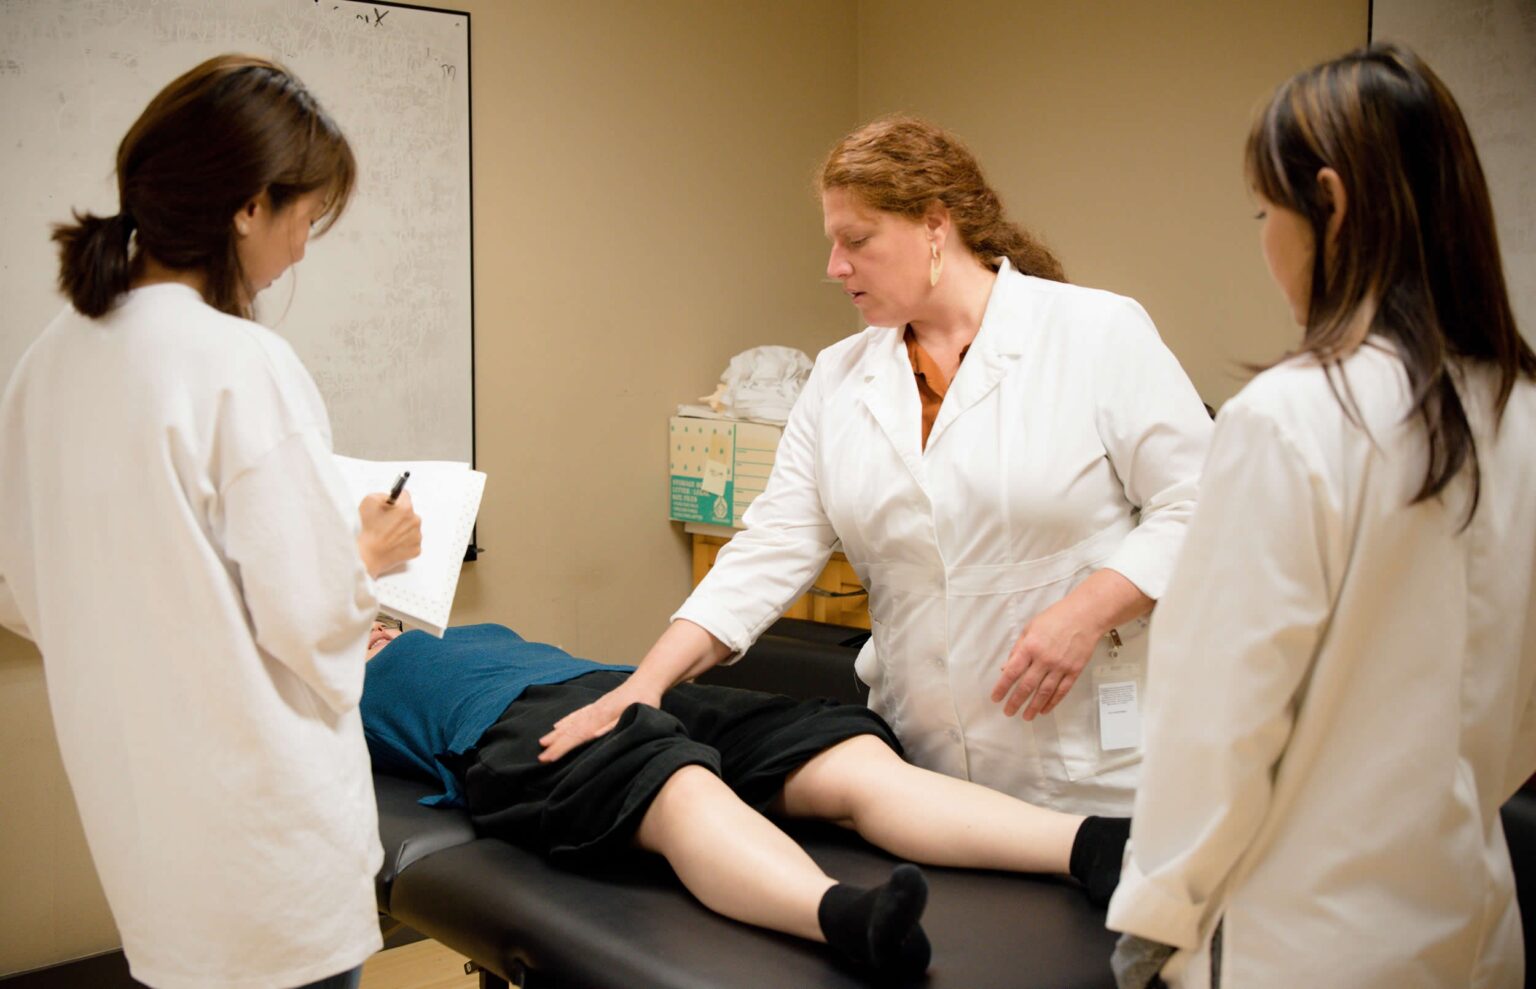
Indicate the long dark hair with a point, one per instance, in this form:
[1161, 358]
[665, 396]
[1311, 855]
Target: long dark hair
[210, 142]
[902, 165]
[1417, 238]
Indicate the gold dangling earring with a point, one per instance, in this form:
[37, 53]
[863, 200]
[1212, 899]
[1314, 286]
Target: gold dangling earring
[935, 265]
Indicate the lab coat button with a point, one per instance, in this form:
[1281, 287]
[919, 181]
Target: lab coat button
[954, 734]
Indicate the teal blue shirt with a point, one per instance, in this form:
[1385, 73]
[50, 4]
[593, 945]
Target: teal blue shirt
[426, 698]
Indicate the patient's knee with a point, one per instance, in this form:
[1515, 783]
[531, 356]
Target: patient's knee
[688, 782]
[832, 786]
[687, 790]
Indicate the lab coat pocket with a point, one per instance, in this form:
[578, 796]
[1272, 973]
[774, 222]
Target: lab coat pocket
[1098, 724]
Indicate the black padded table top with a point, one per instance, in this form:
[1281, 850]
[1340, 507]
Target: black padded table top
[410, 832]
[636, 926]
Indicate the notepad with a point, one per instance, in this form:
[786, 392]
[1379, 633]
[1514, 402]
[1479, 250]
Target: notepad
[447, 497]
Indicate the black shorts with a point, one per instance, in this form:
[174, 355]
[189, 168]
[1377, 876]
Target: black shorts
[590, 803]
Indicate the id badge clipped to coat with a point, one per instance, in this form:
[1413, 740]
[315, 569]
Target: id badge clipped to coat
[1118, 690]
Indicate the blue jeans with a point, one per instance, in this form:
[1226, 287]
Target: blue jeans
[346, 980]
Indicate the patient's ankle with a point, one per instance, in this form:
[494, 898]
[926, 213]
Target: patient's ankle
[1097, 852]
[879, 929]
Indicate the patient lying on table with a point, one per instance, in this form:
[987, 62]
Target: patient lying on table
[698, 781]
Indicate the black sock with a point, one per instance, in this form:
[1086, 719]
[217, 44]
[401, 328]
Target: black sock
[879, 928]
[1096, 855]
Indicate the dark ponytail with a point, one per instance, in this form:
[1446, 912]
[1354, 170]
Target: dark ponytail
[226, 132]
[94, 267]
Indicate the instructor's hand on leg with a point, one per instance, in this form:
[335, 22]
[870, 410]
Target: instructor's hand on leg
[683, 652]
[596, 719]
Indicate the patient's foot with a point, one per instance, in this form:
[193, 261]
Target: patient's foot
[1097, 853]
[879, 928]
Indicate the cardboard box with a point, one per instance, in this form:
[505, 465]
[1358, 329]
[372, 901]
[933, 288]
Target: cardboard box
[718, 467]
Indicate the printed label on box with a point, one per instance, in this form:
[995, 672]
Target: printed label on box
[717, 467]
[691, 503]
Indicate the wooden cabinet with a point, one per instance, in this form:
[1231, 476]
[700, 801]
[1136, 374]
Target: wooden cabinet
[836, 597]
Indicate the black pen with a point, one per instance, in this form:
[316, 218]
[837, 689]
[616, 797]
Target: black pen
[399, 486]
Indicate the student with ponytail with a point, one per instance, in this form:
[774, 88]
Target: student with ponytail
[167, 470]
[1344, 667]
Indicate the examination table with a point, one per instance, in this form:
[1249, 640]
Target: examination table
[634, 927]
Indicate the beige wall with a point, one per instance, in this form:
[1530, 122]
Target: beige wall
[1114, 129]
[51, 906]
[642, 214]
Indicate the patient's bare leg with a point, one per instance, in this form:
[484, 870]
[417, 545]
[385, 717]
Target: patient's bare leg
[738, 863]
[735, 860]
[926, 816]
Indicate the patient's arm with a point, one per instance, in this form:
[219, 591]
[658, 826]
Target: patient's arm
[683, 652]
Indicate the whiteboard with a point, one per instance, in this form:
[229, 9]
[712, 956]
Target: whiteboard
[381, 309]
[1485, 51]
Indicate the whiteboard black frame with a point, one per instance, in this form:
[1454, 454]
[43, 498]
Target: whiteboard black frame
[469, 70]
[473, 550]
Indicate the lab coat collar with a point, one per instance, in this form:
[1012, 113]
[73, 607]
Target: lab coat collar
[890, 394]
[890, 391]
[993, 353]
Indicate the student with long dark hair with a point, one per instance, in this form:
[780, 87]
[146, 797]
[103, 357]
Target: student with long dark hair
[1343, 686]
[175, 538]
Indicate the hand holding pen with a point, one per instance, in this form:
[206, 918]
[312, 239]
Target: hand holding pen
[397, 487]
[391, 529]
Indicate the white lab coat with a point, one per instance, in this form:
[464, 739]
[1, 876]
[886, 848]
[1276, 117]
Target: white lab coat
[1343, 693]
[1069, 440]
[174, 536]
